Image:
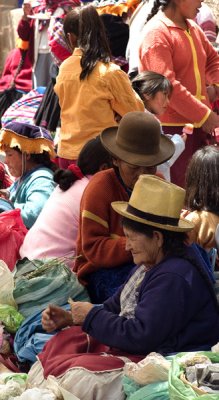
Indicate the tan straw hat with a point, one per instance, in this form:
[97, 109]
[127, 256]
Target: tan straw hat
[138, 140]
[155, 202]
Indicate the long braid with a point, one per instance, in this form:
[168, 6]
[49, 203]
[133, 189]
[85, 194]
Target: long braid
[158, 4]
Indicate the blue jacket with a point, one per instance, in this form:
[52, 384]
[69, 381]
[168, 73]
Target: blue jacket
[176, 311]
[31, 192]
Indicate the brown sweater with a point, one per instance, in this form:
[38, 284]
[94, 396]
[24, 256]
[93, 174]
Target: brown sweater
[101, 242]
[204, 230]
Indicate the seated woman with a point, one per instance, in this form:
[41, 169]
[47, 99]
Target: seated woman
[137, 147]
[28, 151]
[55, 231]
[167, 305]
[202, 196]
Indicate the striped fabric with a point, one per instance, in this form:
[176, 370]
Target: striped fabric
[24, 109]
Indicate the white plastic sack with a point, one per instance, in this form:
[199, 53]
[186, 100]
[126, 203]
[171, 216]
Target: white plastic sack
[153, 368]
[35, 394]
[6, 285]
[11, 388]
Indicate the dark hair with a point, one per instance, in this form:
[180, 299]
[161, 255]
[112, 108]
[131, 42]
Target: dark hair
[149, 83]
[40, 158]
[202, 180]
[173, 242]
[158, 5]
[85, 23]
[92, 156]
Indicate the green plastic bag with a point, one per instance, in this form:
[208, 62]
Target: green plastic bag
[152, 391]
[10, 318]
[41, 282]
[178, 390]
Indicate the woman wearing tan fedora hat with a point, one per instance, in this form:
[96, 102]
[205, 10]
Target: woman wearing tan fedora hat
[137, 147]
[167, 305]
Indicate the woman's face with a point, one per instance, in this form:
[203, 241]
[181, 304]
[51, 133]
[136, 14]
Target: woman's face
[158, 103]
[130, 173]
[13, 160]
[145, 250]
[189, 8]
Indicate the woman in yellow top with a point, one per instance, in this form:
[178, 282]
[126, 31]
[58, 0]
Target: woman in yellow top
[91, 89]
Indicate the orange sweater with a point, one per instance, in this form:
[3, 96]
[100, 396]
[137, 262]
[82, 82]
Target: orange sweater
[101, 241]
[89, 106]
[189, 60]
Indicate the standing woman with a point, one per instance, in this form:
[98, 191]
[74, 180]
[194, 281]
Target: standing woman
[172, 44]
[91, 89]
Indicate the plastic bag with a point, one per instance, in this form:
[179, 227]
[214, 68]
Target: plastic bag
[180, 390]
[6, 285]
[36, 394]
[50, 281]
[10, 318]
[12, 233]
[153, 391]
[153, 368]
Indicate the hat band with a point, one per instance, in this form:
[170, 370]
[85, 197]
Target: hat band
[151, 217]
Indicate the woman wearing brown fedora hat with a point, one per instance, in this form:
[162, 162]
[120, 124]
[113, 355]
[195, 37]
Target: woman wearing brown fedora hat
[137, 147]
[167, 305]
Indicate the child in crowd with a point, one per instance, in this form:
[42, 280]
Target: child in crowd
[91, 89]
[55, 231]
[155, 91]
[202, 196]
[28, 152]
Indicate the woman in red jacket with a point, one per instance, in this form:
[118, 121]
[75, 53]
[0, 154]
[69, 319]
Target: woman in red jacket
[173, 45]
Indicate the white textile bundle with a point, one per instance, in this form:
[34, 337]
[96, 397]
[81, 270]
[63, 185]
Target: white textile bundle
[153, 368]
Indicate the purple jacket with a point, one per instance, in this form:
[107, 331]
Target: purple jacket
[176, 311]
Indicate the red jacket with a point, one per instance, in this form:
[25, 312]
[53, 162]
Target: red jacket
[189, 60]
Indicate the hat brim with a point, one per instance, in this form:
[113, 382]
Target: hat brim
[166, 150]
[30, 146]
[121, 208]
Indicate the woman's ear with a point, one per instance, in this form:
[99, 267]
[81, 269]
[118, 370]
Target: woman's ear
[159, 237]
[72, 40]
[115, 162]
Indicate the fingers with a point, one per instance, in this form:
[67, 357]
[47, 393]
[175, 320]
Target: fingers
[48, 316]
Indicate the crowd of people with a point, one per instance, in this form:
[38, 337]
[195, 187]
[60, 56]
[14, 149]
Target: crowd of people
[115, 173]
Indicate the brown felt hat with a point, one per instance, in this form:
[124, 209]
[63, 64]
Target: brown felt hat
[138, 140]
[155, 202]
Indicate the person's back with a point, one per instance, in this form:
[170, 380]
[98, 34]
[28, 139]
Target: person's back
[55, 231]
[90, 88]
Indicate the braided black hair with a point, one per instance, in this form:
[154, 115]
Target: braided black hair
[158, 5]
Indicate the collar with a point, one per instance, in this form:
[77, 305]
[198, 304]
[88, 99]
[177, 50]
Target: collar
[168, 22]
[77, 52]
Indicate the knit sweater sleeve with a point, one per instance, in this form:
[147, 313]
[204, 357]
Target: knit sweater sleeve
[204, 228]
[102, 241]
[125, 99]
[32, 195]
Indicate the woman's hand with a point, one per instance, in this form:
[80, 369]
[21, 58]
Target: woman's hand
[211, 123]
[54, 317]
[79, 310]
